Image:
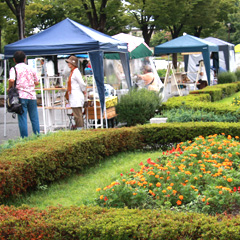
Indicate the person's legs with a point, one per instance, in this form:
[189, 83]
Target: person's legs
[78, 118]
[33, 115]
[22, 119]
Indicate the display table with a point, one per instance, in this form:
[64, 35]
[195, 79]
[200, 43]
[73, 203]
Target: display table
[109, 114]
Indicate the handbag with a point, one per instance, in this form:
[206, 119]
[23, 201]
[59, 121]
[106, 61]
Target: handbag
[12, 102]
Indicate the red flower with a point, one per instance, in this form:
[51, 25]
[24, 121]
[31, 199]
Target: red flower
[141, 163]
[150, 162]
[121, 174]
[234, 189]
[207, 203]
[131, 170]
[239, 189]
[105, 199]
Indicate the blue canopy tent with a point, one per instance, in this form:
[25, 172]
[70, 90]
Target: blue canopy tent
[188, 43]
[225, 47]
[69, 37]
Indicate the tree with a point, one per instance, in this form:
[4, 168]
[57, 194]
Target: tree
[18, 9]
[208, 15]
[145, 15]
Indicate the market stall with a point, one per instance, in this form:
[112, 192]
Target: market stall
[76, 39]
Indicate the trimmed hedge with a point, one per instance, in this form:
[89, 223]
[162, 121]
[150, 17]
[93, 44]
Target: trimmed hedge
[61, 154]
[101, 223]
[217, 92]
[46, 160]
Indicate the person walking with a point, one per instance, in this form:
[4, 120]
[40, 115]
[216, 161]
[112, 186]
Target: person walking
[26, 80]
[76, 89]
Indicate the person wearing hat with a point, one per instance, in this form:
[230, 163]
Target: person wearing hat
[148, 78]
[75, 91]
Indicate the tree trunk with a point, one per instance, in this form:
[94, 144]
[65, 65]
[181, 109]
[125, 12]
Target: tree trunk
[97, 23]
[175, 33]
[198, 31]
[18, 9]
[147, 33]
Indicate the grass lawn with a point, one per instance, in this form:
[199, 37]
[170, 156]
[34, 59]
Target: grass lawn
[228, 100]
[81, 189]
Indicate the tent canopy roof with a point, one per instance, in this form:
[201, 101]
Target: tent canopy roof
[137, 48]
[66, 37]
[221, 44]
[186, 43]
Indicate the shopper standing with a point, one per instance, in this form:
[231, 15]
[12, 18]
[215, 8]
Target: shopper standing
[26, 79]
[75, 91]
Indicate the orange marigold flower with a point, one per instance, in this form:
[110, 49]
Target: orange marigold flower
[156, 176]
[98, 189]
[181, 197]
[195, 178]
[171, 184]
[237, 137]
[124, 180]
[179, 202]
[229, 179]
[220, 192]
[134, 193]
[223, 133]
[203, 199]
[229, 137]
[158, 184]
[169, 188]
[164, 191]
[101, 197]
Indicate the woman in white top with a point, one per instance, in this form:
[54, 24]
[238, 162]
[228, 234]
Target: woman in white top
[75, 91]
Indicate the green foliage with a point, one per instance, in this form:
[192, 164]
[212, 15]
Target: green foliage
[227, 77]
[181, 176]
[1, 88]
[236, 101]
[237, 73]
[111, 224]
[190, 115]
[137, 106]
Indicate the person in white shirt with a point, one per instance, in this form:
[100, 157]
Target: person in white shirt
[76, 89]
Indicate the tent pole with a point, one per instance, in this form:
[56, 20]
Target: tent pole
[5, 97]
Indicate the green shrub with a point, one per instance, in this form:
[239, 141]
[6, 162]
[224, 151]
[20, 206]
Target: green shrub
[227, 77]
[70, 223]
[191, 115]
[1, 88]
[237, 73]
[138, 106]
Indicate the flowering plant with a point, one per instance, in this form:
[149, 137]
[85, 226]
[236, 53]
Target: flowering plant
[202, 174]
[236, 101]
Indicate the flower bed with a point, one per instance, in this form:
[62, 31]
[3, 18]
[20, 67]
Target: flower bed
[200, 175]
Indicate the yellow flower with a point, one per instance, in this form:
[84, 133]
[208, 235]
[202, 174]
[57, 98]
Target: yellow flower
[98, 189]
[169, 188]
[164, 191]
[124, 180]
